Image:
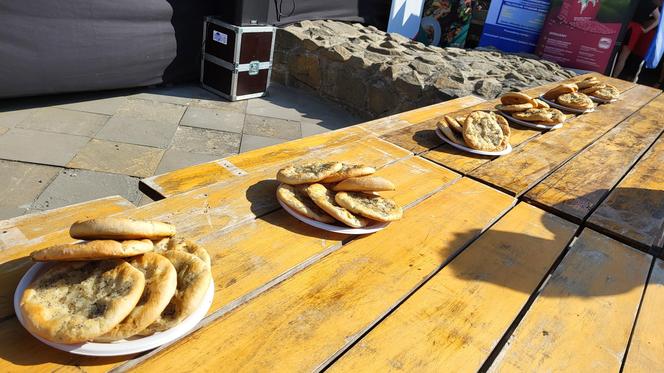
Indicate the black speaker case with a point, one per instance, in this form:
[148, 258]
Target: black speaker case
[236, 61]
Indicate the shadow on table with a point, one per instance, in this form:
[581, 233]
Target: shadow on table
[646, 207]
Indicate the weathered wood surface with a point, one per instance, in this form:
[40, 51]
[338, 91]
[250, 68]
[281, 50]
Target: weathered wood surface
[21, 235]
[261, 253]
[582, 319]
[646, 349]
[456, 319]
[320, 311]
[527, 165]
[634, 211]
[576, 188]
[186, 179]
[464, 162]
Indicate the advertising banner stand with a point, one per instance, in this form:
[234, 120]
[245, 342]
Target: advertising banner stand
[514, 26]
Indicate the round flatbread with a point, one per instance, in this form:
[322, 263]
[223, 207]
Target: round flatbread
[576, 100]
[370, 206]
[514, 108]
[587, 82]
[160, 283]
[557, 116]
[93, 250]
[454, 124]
[120, 229]
[349, 170]
[608, 92]
[534, 115]
[516, 98]
[539, 104]
[295, 197]
[592, 88]
[78, 302]
[193, 281]
[182, 244]
[324, 198]
[364, 184]
[308, 173]
[562, 89]
[456, 138]
[483, 132]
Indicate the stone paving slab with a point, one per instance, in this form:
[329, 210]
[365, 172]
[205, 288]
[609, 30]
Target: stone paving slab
[251, 142]
[203, 117]
[117, 158]
[272, 127]
[106, 105]
[137, 131]
[64, 121]
[40, 147]
[74, 186]
[21, 184]
[151, 110]
[204, 141]
[9, 119]
[3, 130]
[174, 159]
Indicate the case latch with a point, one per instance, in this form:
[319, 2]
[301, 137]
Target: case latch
[254, 67]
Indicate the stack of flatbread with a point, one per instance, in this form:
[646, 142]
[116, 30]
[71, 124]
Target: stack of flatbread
[523, 107]
[593, 87]
[129, 278]
[480, 130]
[333, 191]
[568, 95]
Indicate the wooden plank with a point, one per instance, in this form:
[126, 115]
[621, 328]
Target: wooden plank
[647, 346]
[21, 235]
[394, 122]
[634, 211]
[263, 252]
[465, 163]
[299, 324]
[456, 319]
[527, 165]
[189, 178]
[582, 319]
[576, 188]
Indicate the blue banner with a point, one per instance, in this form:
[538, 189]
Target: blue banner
[514, 26]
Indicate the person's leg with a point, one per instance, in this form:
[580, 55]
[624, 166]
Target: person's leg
[622, 59]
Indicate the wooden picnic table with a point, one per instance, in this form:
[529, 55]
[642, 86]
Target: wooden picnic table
[545, 259]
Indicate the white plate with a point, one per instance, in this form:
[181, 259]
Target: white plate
[334, 228]
[565, 108]
[531, 125]
[469, 150]
[123, 347]
[601, 100]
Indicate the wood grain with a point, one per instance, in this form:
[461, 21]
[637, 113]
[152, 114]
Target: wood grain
[576, 188]
[582, 319]
[395, 122]
[21, 235]
[647, 346]
[464, 162]
[456, 319]
[634, 211]
[299, 324]
[189, 178]
[527, 165]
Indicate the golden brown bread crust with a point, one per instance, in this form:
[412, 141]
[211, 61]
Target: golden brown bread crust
[516, 98]
[370, 206]
[295, 197]
[182, 244]
[482, 131]
[120, 229]
[324, 198]
[160, 284]
[562, 89]
[193, 281]
[456, 138]
[364, 183]
[349, 170]
[306, 173]
[75, 302]
[93, 250]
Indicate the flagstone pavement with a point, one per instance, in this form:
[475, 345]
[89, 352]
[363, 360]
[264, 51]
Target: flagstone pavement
[65, 149]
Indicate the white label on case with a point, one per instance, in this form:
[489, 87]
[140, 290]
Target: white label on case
[219, 37]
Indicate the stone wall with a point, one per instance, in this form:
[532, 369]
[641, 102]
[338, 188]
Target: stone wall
[373, 73]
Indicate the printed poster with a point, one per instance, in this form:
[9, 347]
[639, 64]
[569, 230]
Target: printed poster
[514, 26]
[582, 34]
[445, 23]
